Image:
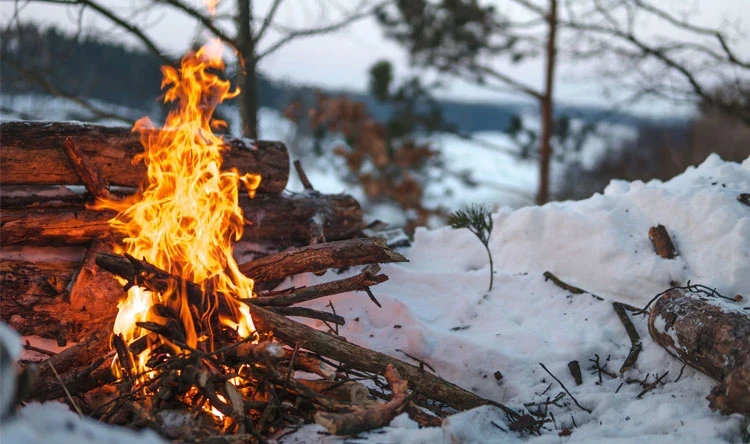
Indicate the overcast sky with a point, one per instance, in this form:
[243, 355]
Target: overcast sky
[342, 59]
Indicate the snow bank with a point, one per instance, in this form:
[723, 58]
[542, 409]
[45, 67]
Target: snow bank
[437, 309]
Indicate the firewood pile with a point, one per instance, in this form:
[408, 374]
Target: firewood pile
[60, 280]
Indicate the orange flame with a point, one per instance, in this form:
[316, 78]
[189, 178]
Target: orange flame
[185, 219]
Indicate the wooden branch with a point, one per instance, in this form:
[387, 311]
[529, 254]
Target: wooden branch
[303, 312]
[357, 357]
[320, 257]
[575, 290]
[302, 175]
[662, 242]
[95, 185]
[635, 339]
[292, 332]
[369, 276]
[575, 371]
[278, 219]
[711, 335]
[351, 392]
[34, 153]
[368, 419]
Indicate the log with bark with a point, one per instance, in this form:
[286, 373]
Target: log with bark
[710, 334]
[63, 299]
[279, 219]
[34, 153]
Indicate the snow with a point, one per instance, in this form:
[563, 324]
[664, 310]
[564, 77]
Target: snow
[436, 308]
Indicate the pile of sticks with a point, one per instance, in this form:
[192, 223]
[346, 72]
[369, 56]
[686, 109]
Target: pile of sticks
[58, 273]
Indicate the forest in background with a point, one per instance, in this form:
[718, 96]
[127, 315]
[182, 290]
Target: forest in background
[48, 61]
[87, 67]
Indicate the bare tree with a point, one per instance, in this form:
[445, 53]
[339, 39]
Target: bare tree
[253, 35]
[653, 50]
[465, 39]
[637, 47]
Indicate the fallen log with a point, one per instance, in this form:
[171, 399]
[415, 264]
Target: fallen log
[34, 153]
[711, 335]
[320, 257]
[278, 219]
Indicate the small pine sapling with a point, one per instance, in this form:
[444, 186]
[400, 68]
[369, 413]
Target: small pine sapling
[477, 219]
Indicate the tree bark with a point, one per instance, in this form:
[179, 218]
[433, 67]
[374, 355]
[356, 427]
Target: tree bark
[283, 220]
[545, 149]
[320, 257]
[711, 335]
[34, 153]
[62, 300]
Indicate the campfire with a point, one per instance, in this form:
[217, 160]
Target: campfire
[196, 335]
[185, 220]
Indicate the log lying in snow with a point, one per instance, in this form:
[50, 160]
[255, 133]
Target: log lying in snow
[711, 335]
[33, 153]
[280, 219]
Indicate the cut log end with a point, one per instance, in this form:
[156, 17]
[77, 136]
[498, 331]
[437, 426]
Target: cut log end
[711, 335]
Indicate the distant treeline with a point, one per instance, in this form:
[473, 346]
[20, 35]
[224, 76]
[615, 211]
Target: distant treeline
[36, 59]
[48, 61]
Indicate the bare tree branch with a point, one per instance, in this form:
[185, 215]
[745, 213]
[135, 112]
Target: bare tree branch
[136, 31]
[204, 20]
[731, 56]
[294, 34]
[267, 20]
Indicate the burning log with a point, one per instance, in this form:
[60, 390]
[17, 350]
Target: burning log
[61, 299]
[33, 153]
[278, 219]
[711, 335]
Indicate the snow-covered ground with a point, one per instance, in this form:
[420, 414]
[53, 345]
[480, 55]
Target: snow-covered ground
[437, 309]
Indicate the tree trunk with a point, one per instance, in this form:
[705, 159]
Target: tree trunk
[711, 335]
[545, 149]
[247, 70]
[33, 153]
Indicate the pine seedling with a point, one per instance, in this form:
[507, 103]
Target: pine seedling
[477, 219]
